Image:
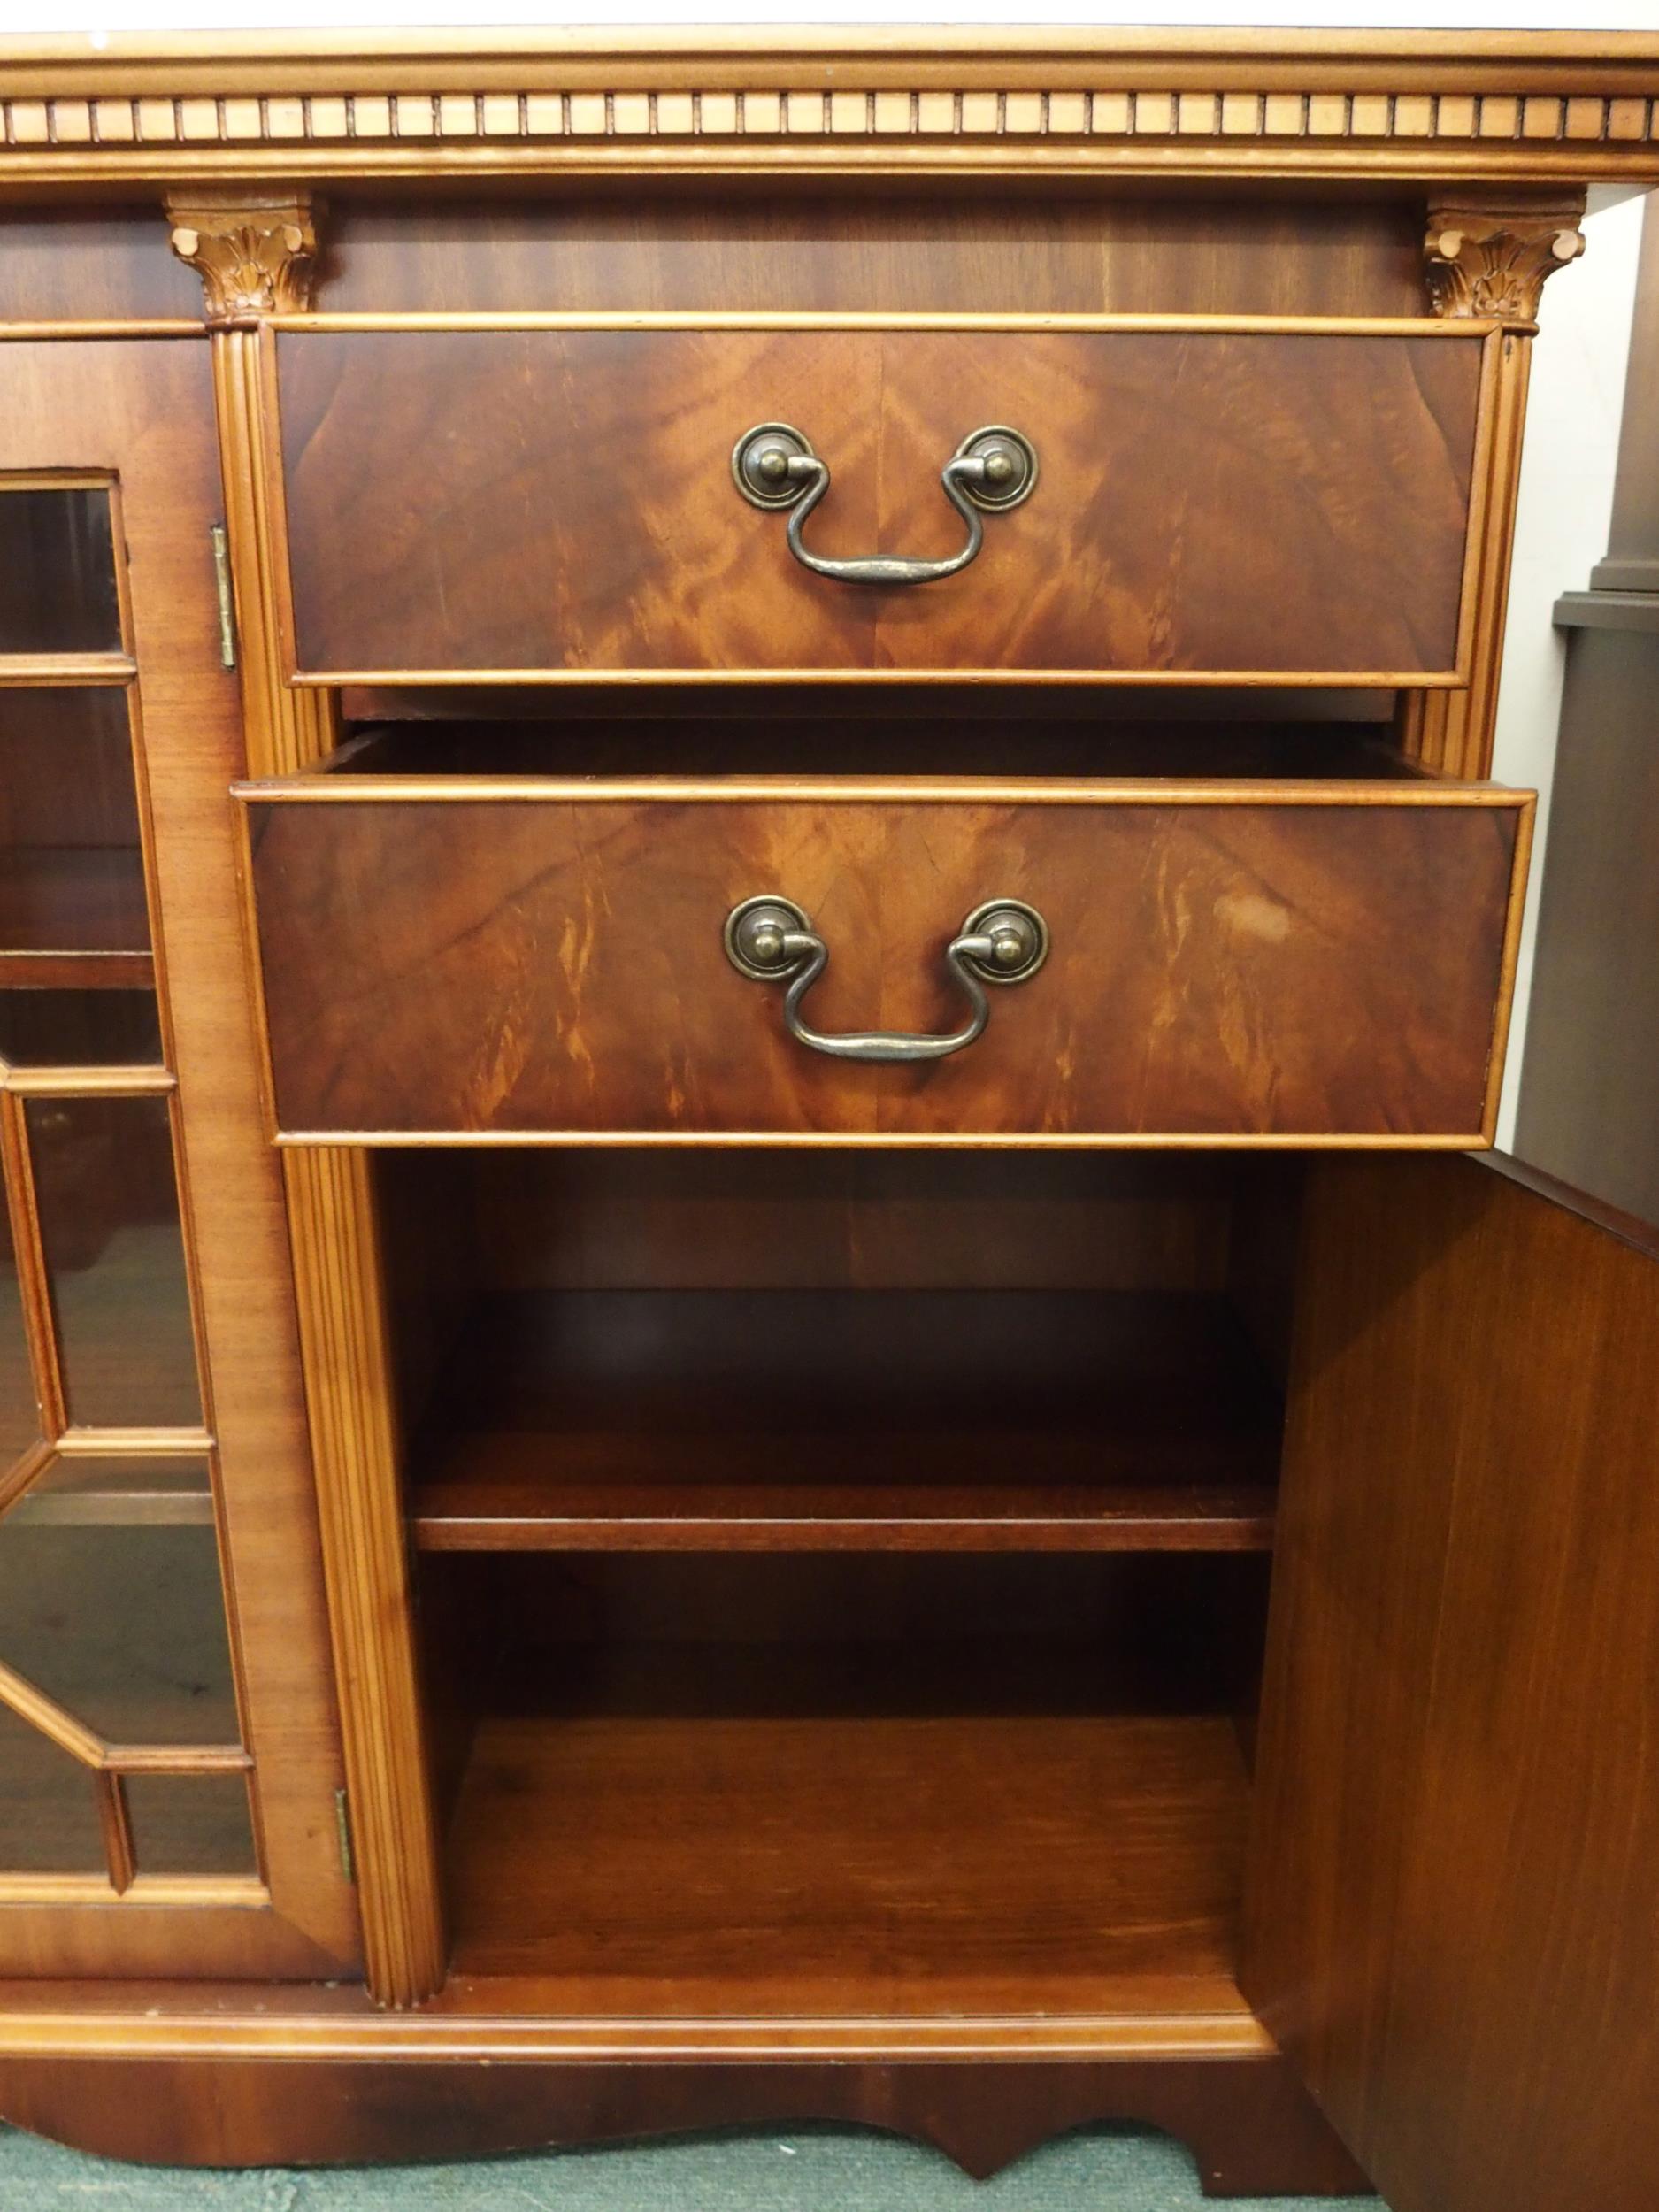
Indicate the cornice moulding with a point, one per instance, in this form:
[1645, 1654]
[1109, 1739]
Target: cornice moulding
[1552, 105]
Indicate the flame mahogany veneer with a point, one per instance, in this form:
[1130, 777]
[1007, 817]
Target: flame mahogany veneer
[1234, 971]
[563, 500]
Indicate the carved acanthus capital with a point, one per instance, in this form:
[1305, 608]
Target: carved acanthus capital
[1492, 259]
[255, 256]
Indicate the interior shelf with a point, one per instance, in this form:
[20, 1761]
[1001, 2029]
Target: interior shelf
[830, 1420]
[70, 970]
[75, 917]
[117, 1491]
[850, 1836]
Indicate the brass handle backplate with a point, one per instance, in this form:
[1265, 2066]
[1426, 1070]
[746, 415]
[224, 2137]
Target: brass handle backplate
[991, 471]
[769, 939]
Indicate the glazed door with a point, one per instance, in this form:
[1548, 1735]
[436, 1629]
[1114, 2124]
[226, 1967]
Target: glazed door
[168, 1761]
[1453, 1903]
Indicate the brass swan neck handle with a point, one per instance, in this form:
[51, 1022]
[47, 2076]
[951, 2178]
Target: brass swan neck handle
[991, 471]
[771, 940]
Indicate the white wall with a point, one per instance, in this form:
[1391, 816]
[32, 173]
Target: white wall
[1567, 468]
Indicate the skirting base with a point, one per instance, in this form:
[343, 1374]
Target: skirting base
[1248, 2122]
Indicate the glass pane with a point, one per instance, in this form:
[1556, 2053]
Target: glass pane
[109, 1210]
[120, 1490]
[72, 876]
[190, 1823]
[49, 1820]
[19, 1413]
[125, 1628]
[79, 1029]
[57, 571]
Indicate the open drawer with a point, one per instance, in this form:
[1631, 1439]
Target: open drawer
[1192, 500]
[1097, 960]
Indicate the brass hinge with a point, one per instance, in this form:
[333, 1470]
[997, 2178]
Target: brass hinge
[227, 607]
[342, 1826]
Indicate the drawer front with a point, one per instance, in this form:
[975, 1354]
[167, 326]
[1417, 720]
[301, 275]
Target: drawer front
[1218, 971]
[562, 502]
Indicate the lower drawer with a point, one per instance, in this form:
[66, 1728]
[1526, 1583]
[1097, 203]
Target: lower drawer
[1233, 963]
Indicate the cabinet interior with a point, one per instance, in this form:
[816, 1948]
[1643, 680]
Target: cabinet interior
[830, 1498]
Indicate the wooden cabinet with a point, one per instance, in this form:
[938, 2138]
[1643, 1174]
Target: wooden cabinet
[746, 1371]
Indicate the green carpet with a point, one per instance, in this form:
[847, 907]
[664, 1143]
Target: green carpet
[810, 2170]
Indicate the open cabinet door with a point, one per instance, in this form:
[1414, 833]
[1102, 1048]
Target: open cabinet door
[1453, 1900]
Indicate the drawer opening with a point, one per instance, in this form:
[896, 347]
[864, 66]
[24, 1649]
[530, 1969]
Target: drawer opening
[987, 737]
[853, 1565]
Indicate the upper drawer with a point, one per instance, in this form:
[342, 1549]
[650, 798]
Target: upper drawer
[1211, 501]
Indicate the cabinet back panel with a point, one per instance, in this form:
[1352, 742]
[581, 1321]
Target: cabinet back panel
[918, 1221]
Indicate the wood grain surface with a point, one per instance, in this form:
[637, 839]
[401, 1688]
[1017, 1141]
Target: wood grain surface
[1251, 2127]
[914, 246]
[850, 1863]
[82, 264]
[562, 500]
[1455, 1873]
[1218, 970]
[357, 1454]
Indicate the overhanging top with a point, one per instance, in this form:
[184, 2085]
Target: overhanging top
[1553, 107]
